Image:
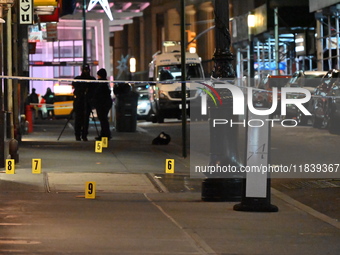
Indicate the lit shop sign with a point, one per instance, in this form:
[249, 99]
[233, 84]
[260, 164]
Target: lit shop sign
[105, 5]
[46, 3]
[69, 63]
[268, 66]
[6, 1]
[26, 12]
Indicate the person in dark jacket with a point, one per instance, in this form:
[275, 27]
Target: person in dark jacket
[83, 92]
[33, 101]
[102, 101]
[33, 98]
[49, 101]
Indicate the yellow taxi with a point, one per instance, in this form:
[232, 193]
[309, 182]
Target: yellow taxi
[63, 105]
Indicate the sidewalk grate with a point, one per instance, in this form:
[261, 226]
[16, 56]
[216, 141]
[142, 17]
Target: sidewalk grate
[314, 184]
[180, 182]
[105, 182]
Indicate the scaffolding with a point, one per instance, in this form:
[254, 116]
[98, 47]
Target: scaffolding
[327, 39]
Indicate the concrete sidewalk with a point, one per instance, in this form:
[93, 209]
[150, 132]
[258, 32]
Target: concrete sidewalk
[133, 212]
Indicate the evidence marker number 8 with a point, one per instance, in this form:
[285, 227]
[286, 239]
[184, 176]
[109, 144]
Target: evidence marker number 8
[10, 166]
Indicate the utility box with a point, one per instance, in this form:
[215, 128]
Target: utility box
[126, 109]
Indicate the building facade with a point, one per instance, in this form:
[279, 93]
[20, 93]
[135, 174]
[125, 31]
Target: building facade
[289, 35]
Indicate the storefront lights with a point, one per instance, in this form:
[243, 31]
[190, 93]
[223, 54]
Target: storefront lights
[251, 20]
[105, 5]
[132, 65]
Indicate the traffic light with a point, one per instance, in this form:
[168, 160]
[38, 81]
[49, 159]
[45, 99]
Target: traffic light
[191, 41]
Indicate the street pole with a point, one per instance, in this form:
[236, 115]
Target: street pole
[84, 34]
[276, 31]
[10, 123]
[183, 70]
[251, 70]
[222, 56]
[223, 143]
[3, 155]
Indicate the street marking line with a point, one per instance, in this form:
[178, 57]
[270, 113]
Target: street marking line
[197, 242]
[46, 183]
[142, 130]
[157, 183]
[7, 251]
[106, 182]
[15, 224]
[18, 242]
[305, 208]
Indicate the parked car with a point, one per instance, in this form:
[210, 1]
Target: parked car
[324, 102]
[263, 96]
[332, 115]
[62, 106]
[42, 110]
[144, 107]
[308, 80]
[144, 111]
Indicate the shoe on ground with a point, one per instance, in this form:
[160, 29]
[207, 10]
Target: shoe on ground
[78, 138]
[85, 139]
[99, 138]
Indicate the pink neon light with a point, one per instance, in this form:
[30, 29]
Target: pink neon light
[144, 5]
[126, 6]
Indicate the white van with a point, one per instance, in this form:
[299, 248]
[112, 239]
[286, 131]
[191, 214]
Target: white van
[166, 90]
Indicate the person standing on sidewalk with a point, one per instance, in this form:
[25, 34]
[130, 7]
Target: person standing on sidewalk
[102, 101]
[49, 101]
[33, 99]
[83, 92]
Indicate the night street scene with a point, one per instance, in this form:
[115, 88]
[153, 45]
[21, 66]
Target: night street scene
[176, 127]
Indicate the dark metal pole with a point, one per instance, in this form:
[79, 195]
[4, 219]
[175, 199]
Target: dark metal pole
[251, 70]
[251, 60]
[223, 142]
[222, 56]
[183, 69]
[84, 34]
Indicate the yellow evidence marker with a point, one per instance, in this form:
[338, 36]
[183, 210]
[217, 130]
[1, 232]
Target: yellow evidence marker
[90, 190]
[36, 166]
[10, 166]
[99, 147]
[169, 166]
[105, 142]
